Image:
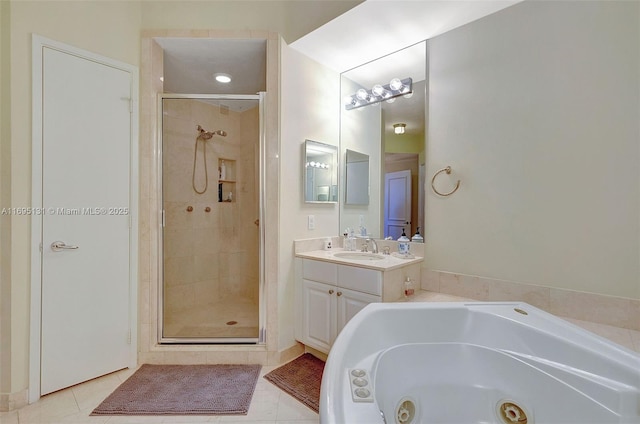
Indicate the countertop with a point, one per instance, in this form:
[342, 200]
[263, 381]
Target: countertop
[388, 263]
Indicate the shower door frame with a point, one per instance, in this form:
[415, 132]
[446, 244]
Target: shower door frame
[262, 312]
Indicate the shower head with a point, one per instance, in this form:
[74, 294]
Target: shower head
[206, 135]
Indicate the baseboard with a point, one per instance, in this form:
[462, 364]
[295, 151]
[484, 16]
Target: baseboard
[11, 401]
[285, 355]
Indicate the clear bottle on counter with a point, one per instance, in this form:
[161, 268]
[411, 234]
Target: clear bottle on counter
[408, 287]
[417, 237]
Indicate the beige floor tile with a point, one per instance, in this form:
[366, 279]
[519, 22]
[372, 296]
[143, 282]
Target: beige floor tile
[50, 408]
[290, 409]
[10, 417]
[90, 394]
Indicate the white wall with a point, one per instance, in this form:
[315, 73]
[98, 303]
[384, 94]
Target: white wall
[536, 109]
[309, 109]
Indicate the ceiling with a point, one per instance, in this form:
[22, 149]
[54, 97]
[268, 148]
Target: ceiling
[190, 65]
[377, 28]
[365, 47]
[342, 44]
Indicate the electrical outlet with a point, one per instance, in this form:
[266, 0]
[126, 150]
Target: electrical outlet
[311, 222]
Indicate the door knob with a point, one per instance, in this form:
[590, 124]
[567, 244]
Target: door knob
[58, 246]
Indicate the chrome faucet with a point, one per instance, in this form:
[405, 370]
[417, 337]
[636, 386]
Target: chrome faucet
[373, 242]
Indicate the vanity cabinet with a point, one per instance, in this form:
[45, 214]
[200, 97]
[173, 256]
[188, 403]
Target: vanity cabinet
[330, 295]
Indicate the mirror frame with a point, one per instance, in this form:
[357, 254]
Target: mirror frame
[333, 186]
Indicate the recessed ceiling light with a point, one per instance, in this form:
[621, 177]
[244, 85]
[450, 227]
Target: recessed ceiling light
[223, 78]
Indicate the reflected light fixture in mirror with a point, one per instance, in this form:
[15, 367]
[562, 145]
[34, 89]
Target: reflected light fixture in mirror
[399, 128]
[379, 93]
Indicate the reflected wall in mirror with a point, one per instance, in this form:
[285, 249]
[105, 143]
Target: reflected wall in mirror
[356, 178]
[370, 130]
[320, 172]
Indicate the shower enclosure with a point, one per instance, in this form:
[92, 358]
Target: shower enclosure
[210, 156]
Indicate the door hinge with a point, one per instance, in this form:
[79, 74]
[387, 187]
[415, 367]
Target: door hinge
[163, 221]
[129, 337]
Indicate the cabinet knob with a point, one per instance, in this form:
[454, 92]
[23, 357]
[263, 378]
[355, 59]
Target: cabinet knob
[330, 291]
[339, 293]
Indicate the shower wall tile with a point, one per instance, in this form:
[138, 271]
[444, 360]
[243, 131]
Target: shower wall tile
[179, 270]
[207, 291]
[177, 215]
[179, 297]
[176, 244]
[206, 266]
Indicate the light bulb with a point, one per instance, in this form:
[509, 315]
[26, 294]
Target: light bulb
[408, 95]
[378, 90]
[391, 100]
[395, 84]
[362, 94]
[349, 100]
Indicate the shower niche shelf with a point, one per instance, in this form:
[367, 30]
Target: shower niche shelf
[226, 180]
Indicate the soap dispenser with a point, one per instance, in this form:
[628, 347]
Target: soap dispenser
[417, 238]
[403, 244]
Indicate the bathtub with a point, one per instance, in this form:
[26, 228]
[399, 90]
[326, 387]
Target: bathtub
[473, 362]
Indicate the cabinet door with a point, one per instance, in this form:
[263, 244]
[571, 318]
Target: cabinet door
[319, 314]
[350, 303]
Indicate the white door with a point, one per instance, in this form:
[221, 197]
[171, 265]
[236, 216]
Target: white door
[319, 314]
[86, 140]
[397, 204]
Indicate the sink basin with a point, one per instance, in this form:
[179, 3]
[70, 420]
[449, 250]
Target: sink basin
[359, 256]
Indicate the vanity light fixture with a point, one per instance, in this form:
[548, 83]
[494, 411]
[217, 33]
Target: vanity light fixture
[320, 165]
[399, 128]
[379, 93]
[223, 78]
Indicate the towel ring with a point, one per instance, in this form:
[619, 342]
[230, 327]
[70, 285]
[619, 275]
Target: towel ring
[448, 171]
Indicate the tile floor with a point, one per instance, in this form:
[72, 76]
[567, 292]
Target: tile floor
[269, 405]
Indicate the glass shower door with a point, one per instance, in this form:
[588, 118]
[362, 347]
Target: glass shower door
[210, 289]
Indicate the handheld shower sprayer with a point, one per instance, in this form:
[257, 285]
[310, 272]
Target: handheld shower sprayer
[206, 135]
[203, 135]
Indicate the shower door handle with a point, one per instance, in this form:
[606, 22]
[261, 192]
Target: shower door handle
[58, 246]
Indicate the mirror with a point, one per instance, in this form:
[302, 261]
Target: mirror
[320, 172]
[356, 178]
[396, 161]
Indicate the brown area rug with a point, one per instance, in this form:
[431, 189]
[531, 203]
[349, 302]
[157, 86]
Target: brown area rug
[184, 390]
[300, 378]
